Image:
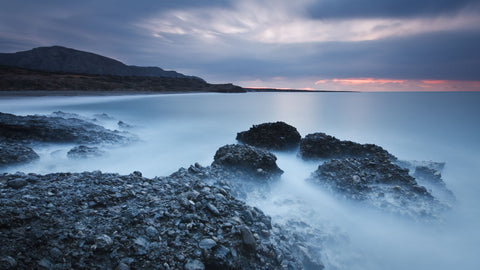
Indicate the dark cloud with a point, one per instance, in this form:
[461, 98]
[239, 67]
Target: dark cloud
[327, 9]
[447, 56]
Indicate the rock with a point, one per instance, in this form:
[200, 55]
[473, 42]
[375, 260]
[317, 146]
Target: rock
[83, 151]
[272, 136]
[380, 183]
[248, 239]
[247, 159]
[95, 220]
[14, 153]
[207, 243]
[56, 129]
[194, 265]
[17, 183]
[7, 262]
[151, 231]
[123, 125]
[103, 243]
[323, 146]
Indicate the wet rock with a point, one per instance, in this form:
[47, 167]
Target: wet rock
[56, 129]
[17, 183]
[207, 243]
[123, 125]
[95, 220]
[7, 262]
[323, 146]
[103, 243]
[14, 153]
[247, 239]
[83, 151]
[247, 159]
[272, 136]
[194, 265]
[380, 183]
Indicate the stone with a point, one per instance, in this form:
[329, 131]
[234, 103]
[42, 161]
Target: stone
[83, 151]
[194, 265]
[207, 243]
[15, 153]
[247, 239]
[272, 136]
[17, 183]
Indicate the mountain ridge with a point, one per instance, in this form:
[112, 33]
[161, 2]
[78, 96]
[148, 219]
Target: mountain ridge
[67, 60]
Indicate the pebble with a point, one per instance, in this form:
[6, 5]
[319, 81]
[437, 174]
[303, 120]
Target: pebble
[207, 243]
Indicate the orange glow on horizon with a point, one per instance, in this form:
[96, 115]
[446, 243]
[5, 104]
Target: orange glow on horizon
[356, 81]
[434, 81]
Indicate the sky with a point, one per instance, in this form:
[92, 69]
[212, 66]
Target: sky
[359, 45]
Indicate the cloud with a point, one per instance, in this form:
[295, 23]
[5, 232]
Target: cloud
[342, 9]
[257, 41]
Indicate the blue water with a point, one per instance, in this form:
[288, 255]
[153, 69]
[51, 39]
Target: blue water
[179, 130]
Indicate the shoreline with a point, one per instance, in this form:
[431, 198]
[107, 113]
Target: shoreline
[66, 93]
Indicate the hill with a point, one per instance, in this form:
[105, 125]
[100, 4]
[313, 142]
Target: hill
[66, 60]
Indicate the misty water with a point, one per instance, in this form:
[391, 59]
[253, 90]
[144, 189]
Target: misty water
[178, 130]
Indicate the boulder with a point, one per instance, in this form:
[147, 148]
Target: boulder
[272, 136]
[251, 160]
[14, 153]
[83, 151]
[377, 182]
[323, 146]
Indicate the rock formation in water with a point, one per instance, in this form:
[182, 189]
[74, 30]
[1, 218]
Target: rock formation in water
[55, 129]
[192, 219]
[379, 183]
[272, 136]
[15, 153]
[244, 158]
[323, 146]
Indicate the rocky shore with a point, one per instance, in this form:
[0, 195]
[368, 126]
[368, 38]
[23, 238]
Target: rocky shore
[195, 218]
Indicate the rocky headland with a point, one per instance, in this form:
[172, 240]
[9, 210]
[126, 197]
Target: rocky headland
[196, 218]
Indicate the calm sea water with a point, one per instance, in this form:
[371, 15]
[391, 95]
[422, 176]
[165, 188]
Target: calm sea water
[179, 130]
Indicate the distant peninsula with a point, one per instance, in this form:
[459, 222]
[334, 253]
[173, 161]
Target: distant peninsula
[58, 68]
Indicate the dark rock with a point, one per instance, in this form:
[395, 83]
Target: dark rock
[380, 183]
[247, 239]
[273, 136]
[323, 146]
[56, 129]
[194, 265]
[14, 153]
[207, 243]
[83, 151]
[17, 183]
[50, 224]
[124, 125]
[7, 262]
[257, 162]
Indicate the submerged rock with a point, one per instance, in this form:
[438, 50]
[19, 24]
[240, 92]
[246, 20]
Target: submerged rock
[323, 146]
[272, 136]
[14, 153]
[254, 161]
[83, 151]
[380, 183]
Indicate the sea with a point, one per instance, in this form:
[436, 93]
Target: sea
[178, 130]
